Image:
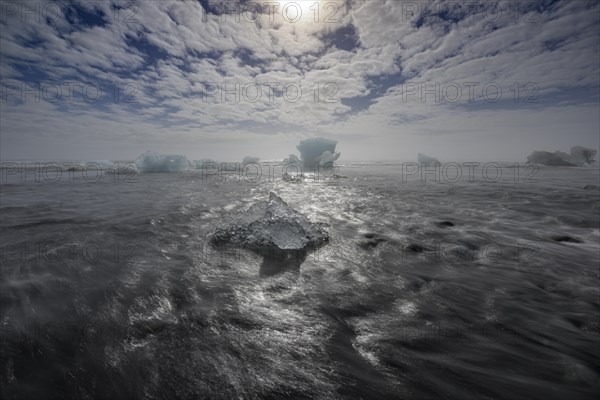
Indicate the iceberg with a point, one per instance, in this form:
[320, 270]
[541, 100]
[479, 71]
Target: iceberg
[579, 157]
[293, 169]
[556, 159]
[427, 160]
[327, 158]
[250, 160]
[292, 159]
[199, 163]
[273, 225]
[582, 156]
[152, 161]
[293, 164]
[313, 149]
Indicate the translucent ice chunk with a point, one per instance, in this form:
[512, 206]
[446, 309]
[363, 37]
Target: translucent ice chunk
[279, 227]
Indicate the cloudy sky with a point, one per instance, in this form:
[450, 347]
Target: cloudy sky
[387, 79]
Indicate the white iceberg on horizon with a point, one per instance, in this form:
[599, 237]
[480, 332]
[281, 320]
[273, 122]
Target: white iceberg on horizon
[327, 158]
[250, 160]
[580, 157]
[313, 149]
[199, 163]
[427, 160]
[152, 161]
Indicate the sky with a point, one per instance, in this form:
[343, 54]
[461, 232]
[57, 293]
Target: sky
[461, 81]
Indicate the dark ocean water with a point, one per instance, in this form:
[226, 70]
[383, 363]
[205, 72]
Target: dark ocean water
[447, 289]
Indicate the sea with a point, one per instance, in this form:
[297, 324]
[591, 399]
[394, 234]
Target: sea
[465, 281]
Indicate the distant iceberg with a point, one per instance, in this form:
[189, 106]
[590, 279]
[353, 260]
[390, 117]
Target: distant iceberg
[152, 161]
[314, 150]
[427, 160]
[199, 163]
[583, 156]
[273, 225]
[556, 159]
[327, 158]
[579, 157]
[250, 160]
[292, 159]
[293, 169]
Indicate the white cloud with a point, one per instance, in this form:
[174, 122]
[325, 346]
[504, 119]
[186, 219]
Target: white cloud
[179, 49]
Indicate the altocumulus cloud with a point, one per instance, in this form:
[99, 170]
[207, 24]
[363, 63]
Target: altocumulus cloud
[199, 75]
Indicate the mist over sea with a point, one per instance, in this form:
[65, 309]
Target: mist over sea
[432, 285]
